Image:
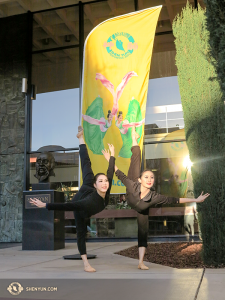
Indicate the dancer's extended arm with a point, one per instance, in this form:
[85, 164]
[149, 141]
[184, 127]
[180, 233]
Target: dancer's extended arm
[86, 204]
[124, 179]
[135, 124]
[80, 205]
[157, 199]
[110, 171]
[116, 95]
[200, 199]
[106, 83]
[124, 82]
[119, 91]
[92, 120]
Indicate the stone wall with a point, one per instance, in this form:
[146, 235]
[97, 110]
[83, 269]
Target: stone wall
[13, 67]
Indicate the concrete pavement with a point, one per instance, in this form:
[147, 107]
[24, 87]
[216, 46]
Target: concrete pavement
[159, 282]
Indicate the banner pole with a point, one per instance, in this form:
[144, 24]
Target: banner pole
[81, 48]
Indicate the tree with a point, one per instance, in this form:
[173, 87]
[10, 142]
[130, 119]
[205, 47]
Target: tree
[204, 119]
[215, 23]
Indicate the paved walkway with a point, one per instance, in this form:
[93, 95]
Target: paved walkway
[115, 273]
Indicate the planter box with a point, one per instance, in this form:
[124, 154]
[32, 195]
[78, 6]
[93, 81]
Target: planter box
[126, 227]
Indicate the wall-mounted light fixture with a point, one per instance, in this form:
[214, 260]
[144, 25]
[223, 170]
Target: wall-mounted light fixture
[24, 85]
[33, 89]
[67, 38]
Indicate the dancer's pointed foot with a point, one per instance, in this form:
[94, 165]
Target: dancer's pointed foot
[135, 135]
[80, 132]
[88, 268]
[142, 266]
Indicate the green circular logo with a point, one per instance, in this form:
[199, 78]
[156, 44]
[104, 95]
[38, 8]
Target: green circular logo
[120, 45]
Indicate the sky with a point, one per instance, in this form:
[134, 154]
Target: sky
[55, 115]
[55, 118]
[163, 91]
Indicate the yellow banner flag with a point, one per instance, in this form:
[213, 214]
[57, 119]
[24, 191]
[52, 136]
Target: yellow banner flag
[117, 56]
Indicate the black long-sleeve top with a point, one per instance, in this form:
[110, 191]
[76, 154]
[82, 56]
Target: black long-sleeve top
[91, 202]
[134, 191]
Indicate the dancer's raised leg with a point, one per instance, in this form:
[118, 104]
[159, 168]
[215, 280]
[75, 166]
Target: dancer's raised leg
[80, 135]
[135, 162]
[87, 173]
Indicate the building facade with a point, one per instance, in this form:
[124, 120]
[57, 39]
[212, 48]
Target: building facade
[42, 41]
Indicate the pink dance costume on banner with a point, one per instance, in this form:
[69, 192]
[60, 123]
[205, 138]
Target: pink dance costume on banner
[116, 94]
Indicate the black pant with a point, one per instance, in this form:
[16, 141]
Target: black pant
[134, 174]
[86, 188]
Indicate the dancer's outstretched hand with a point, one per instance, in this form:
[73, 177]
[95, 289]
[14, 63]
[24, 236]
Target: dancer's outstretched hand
[106, 154]
[202, 197]
[112, 149]
[37, 202]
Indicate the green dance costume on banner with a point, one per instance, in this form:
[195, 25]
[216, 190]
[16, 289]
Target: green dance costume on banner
[92, 133]
[133, 115]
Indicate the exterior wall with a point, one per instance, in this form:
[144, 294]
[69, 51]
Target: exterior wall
[13, 67]
[163, 64]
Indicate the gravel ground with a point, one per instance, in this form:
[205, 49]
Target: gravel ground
[181, 255]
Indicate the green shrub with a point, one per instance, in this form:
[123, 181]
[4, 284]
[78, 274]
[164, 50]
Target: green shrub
[204, 118]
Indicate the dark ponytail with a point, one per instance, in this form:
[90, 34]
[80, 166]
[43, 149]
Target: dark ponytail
[109, 113]
[120, 114]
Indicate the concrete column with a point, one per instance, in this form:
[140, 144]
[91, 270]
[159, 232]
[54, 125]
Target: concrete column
[13, 67]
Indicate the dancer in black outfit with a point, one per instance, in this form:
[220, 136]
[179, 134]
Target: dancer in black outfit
[140, 196]
[90, 199]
